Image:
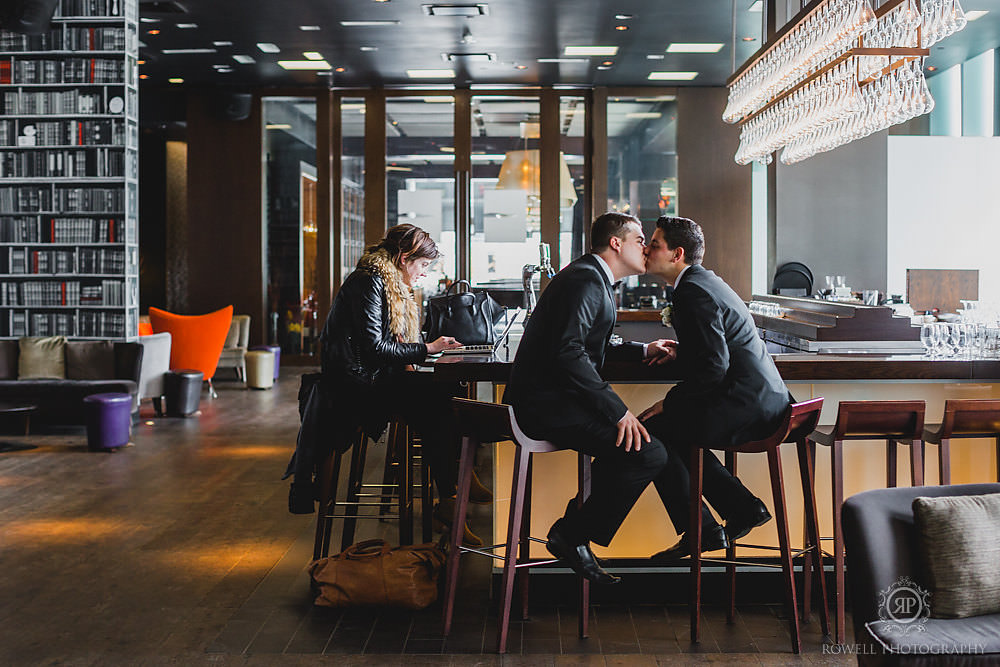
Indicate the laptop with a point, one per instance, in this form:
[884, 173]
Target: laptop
[486, 348]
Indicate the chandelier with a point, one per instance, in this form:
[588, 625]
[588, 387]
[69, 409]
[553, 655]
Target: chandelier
[838, 71]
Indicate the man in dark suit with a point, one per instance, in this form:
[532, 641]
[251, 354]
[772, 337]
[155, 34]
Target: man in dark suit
[558, 394]
[729, 391]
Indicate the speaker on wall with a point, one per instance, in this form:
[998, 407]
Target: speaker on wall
[28, 17]
[234, 106]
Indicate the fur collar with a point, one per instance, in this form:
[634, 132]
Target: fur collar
[404, 316]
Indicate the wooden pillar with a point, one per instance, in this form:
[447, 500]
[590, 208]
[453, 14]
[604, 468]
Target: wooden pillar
[374, 166]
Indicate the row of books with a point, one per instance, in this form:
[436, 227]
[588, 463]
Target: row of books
[62, 293]
[62, 132]
[27, 198]
[108, 8]
[66, 323]
[34, 229]
[62, 70]
[79, 260]
[66, 38]
[26, 102]
[95, 162]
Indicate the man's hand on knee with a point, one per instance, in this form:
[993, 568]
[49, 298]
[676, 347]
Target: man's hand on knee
[631, 432]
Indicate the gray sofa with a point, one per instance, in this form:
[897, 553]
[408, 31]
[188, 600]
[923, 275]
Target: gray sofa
[882, 547]
[60, 401]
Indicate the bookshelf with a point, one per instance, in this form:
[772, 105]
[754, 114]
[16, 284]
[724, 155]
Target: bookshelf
[69, 163]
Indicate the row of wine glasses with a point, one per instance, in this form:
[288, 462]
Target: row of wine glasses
[941, 18]
[960, 340]
[830, 30]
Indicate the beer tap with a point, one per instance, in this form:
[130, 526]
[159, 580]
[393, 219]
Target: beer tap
[528, 272]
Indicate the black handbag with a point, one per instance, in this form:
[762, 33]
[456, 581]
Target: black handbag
[468, 316]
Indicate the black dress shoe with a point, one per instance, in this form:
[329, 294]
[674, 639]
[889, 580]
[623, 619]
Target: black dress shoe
[711, 540]
[302, 498]
[738, 526]
[579, 557]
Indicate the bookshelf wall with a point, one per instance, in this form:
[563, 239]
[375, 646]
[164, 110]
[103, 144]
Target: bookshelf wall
[69, 162]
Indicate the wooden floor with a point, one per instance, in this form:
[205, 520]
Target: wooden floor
[180, 550]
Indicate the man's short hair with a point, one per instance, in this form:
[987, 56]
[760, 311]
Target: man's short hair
[683, 233]
[608, 225]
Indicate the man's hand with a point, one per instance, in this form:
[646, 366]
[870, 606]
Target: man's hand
[442, 343]
[661, 351]
[631, 432]
[651, 411]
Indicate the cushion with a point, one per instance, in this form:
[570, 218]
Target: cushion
[959, 538]
[41, 357]
[8, 359]
[90, 360]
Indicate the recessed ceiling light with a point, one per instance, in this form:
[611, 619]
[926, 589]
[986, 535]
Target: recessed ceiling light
[973, 14]
[309, 28]
[363, 23]
[148, 19]
[340, 69]
[644, 114]
[658, 98]
[623, 17]
[590, 51]
[369, 48]
[757, 6]
[152, 32]
[749, 39]
[181, 51]
[608, 63]
[655, 56]
[603, 67]
[222, 43]
[278, 126]
[430, 73]
[175, 79]
[140, 62]
[220, 66]
[561, 60]
[143, 76]
[692, 47]
[381, 0]
[671, 76]
[312, 55]
[931, 68]
[187, 26]
[520, 67]
[303, 64]
[621, 27]
[244, 60]
[324, 73]
[268, 47]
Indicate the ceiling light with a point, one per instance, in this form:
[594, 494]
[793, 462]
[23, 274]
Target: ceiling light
[430, 73]
[974, 14]
[175, 79]
[439, 99]
[655, 56]
[621, 27]
[749, 39]
[603, 67]
[175, 52]
[187, 26]
[148, 19]
[143, 76]
[244, 60]
[757, 6]
[692, 47]
[312, 55]
[152, 32]
[222, 43]
[623, 17]
[324, 73]
[369, 48]
[671, 76]
[340, 69]
[393, 167]
[303, 64]
[931, 68]
[268, 47]
[140, 62]
[520, 67]
[644, 114]
[608, 63]
[446, 149]
[658, 98]
[561, 60]
[278, 126]
[364, 23]
[467, 10]
[590, 51]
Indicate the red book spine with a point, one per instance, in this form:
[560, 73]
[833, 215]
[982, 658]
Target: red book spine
[111, 230]
[90, 38]
[64, 293]
[79, 133]
[52, 230]
[34, 261]
[93, 65]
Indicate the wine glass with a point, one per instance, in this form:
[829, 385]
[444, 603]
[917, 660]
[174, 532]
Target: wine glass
[927, 338]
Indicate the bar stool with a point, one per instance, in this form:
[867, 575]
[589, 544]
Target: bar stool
[399, 452]
[896, 422]
[480, 422]
[799, 422]
[964, 418]
[398, 431]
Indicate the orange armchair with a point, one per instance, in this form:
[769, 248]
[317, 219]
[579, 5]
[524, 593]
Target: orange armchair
[197, 340]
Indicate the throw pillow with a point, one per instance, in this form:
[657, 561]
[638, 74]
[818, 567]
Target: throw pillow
[959, 539]
[41, 357]
[90, 360]
[8, 359]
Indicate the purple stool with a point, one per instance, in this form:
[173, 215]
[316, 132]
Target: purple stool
[277, 355]
[109, 420]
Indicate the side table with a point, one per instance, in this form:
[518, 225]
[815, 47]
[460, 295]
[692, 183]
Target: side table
[24, 410]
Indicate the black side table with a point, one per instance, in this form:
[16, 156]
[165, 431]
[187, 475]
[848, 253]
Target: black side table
[23, 409]
[182, 389]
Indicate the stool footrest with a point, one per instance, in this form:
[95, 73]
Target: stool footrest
[722, 561]
[361, 516]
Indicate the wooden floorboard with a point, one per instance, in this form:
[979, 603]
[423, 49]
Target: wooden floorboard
[180, 550]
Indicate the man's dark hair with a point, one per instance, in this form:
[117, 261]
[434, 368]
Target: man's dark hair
[684, 233]
[608, 225]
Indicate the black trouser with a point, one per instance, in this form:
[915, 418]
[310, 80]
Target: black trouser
[724, 491]
[618, 478]
[425, 405]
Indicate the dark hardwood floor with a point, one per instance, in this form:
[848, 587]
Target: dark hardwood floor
[180, 550]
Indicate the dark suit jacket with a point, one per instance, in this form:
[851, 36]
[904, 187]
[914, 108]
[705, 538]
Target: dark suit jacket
[555, 380]
[730, 390]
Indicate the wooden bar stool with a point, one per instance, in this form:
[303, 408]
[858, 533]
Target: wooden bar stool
[896, 422]
[480, 422]
[799, 422]
[400, 454]
[964, 418]
[392, 470]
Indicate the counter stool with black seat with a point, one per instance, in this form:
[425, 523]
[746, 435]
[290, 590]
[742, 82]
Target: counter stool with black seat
[398, 490]
[895, 422]
[480, 422]
[964, 418]
[799, 422]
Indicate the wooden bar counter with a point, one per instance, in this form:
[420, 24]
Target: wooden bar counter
[834, 377]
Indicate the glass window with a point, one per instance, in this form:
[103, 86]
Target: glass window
[352, 184]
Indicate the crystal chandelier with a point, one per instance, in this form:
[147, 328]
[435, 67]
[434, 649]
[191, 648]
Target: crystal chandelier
[838, 72]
